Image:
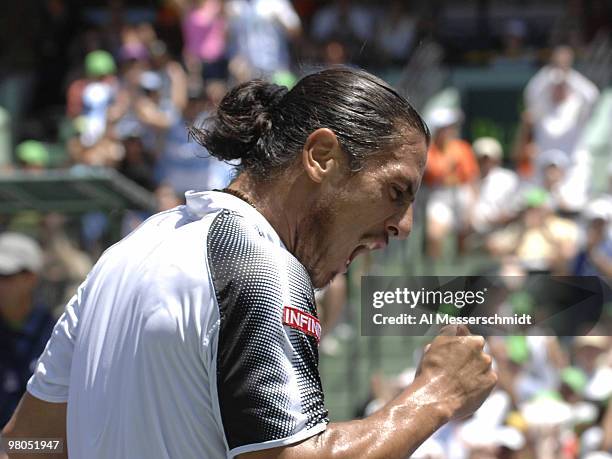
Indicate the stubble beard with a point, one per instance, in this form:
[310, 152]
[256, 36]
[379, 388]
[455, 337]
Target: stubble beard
[315, 244]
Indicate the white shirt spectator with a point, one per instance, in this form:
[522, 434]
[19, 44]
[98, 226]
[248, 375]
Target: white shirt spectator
[496, 195]
[559, 124]
[259, 31]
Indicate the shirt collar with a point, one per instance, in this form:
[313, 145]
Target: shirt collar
[201, 203]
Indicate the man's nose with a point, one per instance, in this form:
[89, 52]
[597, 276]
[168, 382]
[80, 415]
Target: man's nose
[400, 225]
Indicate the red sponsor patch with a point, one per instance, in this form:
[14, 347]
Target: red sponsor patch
[303, 321]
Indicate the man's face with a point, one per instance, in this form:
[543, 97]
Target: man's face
[362, 212]
[15, 287]
[486, 163]
[552, 176]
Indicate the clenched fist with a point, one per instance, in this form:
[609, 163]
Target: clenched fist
[457, 371]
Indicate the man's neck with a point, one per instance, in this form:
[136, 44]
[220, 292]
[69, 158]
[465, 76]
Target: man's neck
[272, 201]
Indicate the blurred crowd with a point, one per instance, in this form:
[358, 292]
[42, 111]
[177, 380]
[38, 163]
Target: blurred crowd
[117, 87]
[551, 402]
[540, 214]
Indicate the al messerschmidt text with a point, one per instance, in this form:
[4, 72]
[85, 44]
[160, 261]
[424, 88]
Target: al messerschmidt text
[445, 319]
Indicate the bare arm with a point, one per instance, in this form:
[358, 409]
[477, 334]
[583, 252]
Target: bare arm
[454, 379]
[178, 89]
[35, 418]
[149, 114]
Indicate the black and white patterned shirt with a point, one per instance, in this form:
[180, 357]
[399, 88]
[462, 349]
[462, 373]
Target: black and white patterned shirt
[194, 337]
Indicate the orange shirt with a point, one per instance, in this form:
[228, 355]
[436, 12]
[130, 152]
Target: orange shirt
[456, 163]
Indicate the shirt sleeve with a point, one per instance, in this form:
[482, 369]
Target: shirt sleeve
[268, 384]
[52, 372]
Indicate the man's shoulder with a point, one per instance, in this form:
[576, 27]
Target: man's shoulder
[240, 249]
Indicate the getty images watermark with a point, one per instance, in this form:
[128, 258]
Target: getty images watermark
[488, 305]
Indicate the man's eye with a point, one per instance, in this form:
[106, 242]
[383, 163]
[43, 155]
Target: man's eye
[397, 194]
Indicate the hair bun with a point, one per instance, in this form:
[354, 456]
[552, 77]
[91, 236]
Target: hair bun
[243, 122]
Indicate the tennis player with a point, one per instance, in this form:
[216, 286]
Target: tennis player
[196, 336]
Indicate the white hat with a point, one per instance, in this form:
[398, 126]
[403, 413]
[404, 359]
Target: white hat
[487, 146]
[546, 412]
[478, 434]
[599, 387]
[598, 209]
[19, 252]
[553, 158]
[151, 81]
[442, 117]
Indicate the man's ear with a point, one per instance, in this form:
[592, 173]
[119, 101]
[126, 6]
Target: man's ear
[322, 156]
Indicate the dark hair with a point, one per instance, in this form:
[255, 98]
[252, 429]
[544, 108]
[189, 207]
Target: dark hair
[266, 125]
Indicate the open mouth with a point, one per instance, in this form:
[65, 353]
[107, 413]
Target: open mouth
[362, 248]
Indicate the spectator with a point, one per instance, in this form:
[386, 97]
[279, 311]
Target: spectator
[137, 164]
[184, 164]
[174, 80]
[539, 242]
[397, 30]
[495, 190]
[260, 31]
[204, 37]
[99, 67]
[559, 100]
[154, 113]
[32, 155]
[90, 103]
[514, 52]
[568, 195]
[595, 257]
[347, 22]
[449, 176]
[25, 324]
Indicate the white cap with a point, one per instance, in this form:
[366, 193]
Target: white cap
[478, 434]
[546, 412]
[442, 117]
[598, 209]
[487, 146]
[553, 158]
[151, 81]
[599, 387]
[19, 252]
